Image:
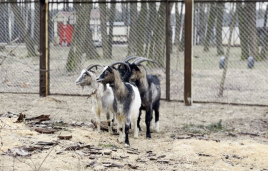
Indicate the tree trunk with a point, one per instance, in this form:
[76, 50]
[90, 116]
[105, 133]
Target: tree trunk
[82, 38]
[202, 30]
[181, 42]
[141, 28]
[36, 20]
[156, 48]
[227, 53]
[74, 56]
[210, 25]
[264, 49]
[111, 28]
[243, 31]
[170, 28]
[86, 36]
[220, 11]
[23, 31]
[253, 38]
[104, 35]
[132, 41]
[149, 26]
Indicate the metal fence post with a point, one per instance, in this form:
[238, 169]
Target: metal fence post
[44, 77]
[188, 95]
[167, 51]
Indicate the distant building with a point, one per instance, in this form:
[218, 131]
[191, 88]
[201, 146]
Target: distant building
[63, 24]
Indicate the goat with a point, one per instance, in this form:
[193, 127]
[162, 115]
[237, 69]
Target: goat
[102, 97]
[150, 91]
[128, 101]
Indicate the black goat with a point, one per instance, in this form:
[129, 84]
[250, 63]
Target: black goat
[149, 88]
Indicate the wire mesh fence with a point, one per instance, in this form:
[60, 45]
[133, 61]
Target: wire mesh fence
[77, 39]
[80, 35]
[231, 32]
[19, 42]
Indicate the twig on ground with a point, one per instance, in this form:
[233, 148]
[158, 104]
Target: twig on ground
[48, 154]
[25, 163]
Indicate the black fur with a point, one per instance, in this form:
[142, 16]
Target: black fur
[148, 104]
[125, 100]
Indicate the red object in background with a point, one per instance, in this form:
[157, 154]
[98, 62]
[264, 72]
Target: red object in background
[66, 33]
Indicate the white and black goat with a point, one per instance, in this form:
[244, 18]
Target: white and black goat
[102, 97]
[128, 101]
[149, 88]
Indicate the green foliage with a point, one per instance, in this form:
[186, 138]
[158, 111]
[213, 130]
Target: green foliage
[108, 145]
[204, 129]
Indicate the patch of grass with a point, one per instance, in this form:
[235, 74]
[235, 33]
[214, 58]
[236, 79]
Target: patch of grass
[108, 145]
[204, 129]
[216, 127]
[172, 136]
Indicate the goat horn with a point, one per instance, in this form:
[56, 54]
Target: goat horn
[138, 61]
[91, 66]
[130, 57]
[120, 63]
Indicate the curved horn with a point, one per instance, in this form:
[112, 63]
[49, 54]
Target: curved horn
[138, 61]
[130, 57]
[91, 66]
[118, 62]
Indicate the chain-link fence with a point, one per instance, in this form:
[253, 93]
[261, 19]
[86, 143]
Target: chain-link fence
[230, 33]
[19, 42]
[77, 39]
[80, 36]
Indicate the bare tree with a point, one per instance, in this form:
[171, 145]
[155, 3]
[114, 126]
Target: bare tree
[141, 28]
[132, 41]
[149, 26]
[104, 35]
[264, 50]
[210, 26]
[81, 36]
[111, 28]
[253, 38]
[158, 43]
[227, 52]
[243, 30]
[202, 19]
[220, 10]
[17, 11]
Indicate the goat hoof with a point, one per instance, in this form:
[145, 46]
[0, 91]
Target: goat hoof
[148, 136]
[127, 145]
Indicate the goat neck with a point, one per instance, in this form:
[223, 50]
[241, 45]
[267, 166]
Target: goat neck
[119, 86]
[142, 82]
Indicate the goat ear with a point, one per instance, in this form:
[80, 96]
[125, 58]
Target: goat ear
[135, 67]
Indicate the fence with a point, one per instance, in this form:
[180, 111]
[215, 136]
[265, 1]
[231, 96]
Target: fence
[77, 34]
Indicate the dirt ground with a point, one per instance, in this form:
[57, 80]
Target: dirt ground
[201, 137]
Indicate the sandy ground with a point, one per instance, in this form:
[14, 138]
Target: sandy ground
[242, 144]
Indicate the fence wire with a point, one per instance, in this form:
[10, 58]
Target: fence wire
[78, 39]
[19, 42]
[234, 32]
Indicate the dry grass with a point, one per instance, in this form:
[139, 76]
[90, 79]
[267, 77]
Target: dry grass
[238, 152]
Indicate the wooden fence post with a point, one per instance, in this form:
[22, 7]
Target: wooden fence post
[43, 42]
[167, 50]
[188, 95]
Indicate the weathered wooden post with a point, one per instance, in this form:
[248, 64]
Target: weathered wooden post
[188, 95]
[167, 50]
[43, 43]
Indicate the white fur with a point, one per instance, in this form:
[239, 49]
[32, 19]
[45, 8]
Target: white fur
[102, 100]
[157, 126]
[135, 109]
